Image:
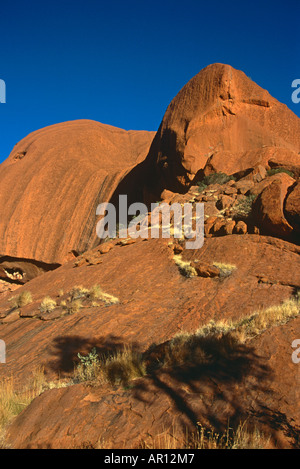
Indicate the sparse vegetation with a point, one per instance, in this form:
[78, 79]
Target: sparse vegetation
[273, 171]
[220, 339]
[262, 320]
[118, 368]
[73, 306]
[211, 342]
[214, 178]
[244, 207]
[184, 267]
[88, 367]
[206, 438]
[78, 292]
[21, 300]
[94, 293]
[225, 269]
[201, 347]
[122, 367]
[14, 399]
[47, 305]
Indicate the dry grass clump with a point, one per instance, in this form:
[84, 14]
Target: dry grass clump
[94, 293]
[118, 368]
[80, 297]
[23, 299]
[47, 305]
[240, 438]
[123, 367]
[203, 438]
[225, 269]
[215, 339]
[262, 320]
[14, 399]
[184, 267]
[220, 339]
[78, 292]
[73, 306]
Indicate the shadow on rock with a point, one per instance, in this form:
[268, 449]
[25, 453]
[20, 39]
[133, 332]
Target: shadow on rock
[213, 392]
[65, 350]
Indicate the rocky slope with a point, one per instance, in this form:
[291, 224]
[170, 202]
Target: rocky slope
[249, 263]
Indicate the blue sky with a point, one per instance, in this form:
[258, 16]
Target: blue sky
[121, 62]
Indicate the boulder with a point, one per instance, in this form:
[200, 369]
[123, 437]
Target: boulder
[268, 207]
[240, 227]
[225, 201]
[205, 270]
[292, 207]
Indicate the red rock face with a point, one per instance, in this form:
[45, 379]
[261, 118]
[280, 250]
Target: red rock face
[220, 121]
[223, 117]
[155, 303]
[53, 181]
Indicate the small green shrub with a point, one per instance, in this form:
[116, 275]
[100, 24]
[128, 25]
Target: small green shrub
[89, 366]
[244, 207]
[214, 178]
[273, 171]
[118, 368]
[89, 359]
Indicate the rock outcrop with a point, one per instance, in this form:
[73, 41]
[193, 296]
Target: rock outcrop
[51, 184]
[221, 121]
[242, 146]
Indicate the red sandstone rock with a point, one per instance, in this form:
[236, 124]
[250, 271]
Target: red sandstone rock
[155, 303]
[49, 197]
[268, 207]
[241, 227]
[155, 300]
[292, 207]
[225, 201]
[205, 270]
[224, 119]
[229, 227]
[219, 225]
